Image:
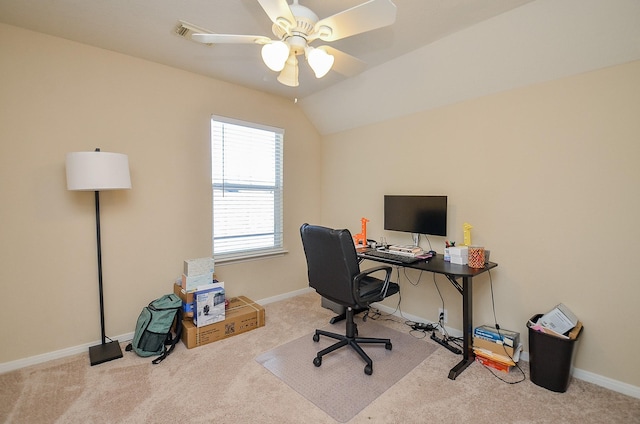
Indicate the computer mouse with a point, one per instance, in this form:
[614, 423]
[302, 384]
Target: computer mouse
[433, 252]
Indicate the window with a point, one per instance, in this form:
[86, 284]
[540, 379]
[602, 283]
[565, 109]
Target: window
[246, 177]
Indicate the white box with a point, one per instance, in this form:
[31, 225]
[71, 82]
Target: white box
[560, 319]
[459, 255]
[208, 304]
[200, 266]
[460, 260]
[190, 283]
[459, 251]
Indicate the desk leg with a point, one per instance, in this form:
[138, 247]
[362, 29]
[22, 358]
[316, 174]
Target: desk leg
[467, 330]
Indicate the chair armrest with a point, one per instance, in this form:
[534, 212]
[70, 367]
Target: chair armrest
[357, 283]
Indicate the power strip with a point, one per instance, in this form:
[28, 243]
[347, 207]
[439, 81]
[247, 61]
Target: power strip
[445, 344]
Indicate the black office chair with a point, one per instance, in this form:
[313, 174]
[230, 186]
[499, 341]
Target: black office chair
[334, 272]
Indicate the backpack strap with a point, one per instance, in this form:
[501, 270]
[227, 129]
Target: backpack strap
[171, 342]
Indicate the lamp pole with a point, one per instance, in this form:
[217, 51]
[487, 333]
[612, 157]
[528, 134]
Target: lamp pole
[96, 171]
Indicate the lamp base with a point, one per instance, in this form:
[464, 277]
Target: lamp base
[105, 352]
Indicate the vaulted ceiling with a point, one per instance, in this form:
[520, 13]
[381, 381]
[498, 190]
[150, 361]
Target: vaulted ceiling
[437, 51]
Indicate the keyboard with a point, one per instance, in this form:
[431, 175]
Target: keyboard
[392, 257]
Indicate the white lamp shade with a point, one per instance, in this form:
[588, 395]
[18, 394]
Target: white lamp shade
[275, 55]
[320, 61]
[95, 171]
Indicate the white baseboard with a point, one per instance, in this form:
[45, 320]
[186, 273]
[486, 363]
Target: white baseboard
[62, 353]
[607, 383]
[45, 357]
[284, 296]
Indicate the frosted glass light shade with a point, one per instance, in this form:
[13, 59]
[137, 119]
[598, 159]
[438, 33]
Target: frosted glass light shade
[289, 75]
[320, 61]
[275, 55]
[95, 171]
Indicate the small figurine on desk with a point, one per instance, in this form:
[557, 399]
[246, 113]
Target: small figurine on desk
[466, 228]
[361, 239]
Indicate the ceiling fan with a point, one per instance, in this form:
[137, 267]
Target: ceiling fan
[296, 27]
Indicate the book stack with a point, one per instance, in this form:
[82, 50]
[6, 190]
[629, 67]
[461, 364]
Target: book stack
[409, 250]
[498, 349]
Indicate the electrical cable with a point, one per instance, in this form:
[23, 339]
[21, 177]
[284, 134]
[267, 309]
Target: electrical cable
[495, 321]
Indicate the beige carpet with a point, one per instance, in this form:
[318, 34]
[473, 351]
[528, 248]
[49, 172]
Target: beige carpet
[339, 386]
[222, 383]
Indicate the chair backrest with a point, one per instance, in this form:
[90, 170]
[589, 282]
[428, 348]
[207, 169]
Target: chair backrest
[332, 262]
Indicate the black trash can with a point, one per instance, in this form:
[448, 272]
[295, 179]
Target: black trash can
[550, 359]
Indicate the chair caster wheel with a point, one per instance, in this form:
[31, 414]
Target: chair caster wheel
[316, 338]
[368, 369]
[388, 346]
[317, 361]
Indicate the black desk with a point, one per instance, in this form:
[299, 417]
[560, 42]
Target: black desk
[453, 272]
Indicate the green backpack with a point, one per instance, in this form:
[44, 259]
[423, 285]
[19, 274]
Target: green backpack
[153, 329]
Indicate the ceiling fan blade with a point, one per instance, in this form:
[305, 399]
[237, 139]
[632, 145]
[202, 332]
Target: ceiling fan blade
[230, 39]
[344, 63]
[277, 10]
[362, 18]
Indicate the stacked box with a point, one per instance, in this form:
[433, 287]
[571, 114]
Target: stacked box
[496, 365]
[198, 266]
[208, 304]
[191, 282]
[187, 300]
[506, 337]
[197, 272]
[242, 315]
[494, 347]
[459, 255]
[499, 350]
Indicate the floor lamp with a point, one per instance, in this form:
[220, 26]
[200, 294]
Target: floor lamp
[97, 171]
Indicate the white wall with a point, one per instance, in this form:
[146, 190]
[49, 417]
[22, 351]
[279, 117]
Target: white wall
[58, 96]
[547, 175]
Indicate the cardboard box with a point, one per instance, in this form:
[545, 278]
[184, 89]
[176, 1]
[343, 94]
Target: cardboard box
[187, 300]
[459, 255]
[242, 315]
[508, 337]
[200, 266]
[208, 304]
[495, 347]
[190, 283]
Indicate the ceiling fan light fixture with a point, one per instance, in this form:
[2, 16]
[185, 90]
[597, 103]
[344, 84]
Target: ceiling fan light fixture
[289, 75]
[275, 55]
[320, 61]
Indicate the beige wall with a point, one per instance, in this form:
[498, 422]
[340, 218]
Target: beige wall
[58, 96]
[547, 175]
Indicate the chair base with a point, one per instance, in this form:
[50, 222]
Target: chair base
[349, 339]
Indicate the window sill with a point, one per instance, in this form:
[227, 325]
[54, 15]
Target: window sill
[246, 257]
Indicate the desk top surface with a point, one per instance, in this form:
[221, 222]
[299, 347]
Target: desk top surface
[438, 265]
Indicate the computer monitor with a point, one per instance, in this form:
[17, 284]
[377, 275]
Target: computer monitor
[416, 214]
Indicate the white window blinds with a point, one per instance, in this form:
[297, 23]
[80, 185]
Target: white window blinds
[247, 188]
